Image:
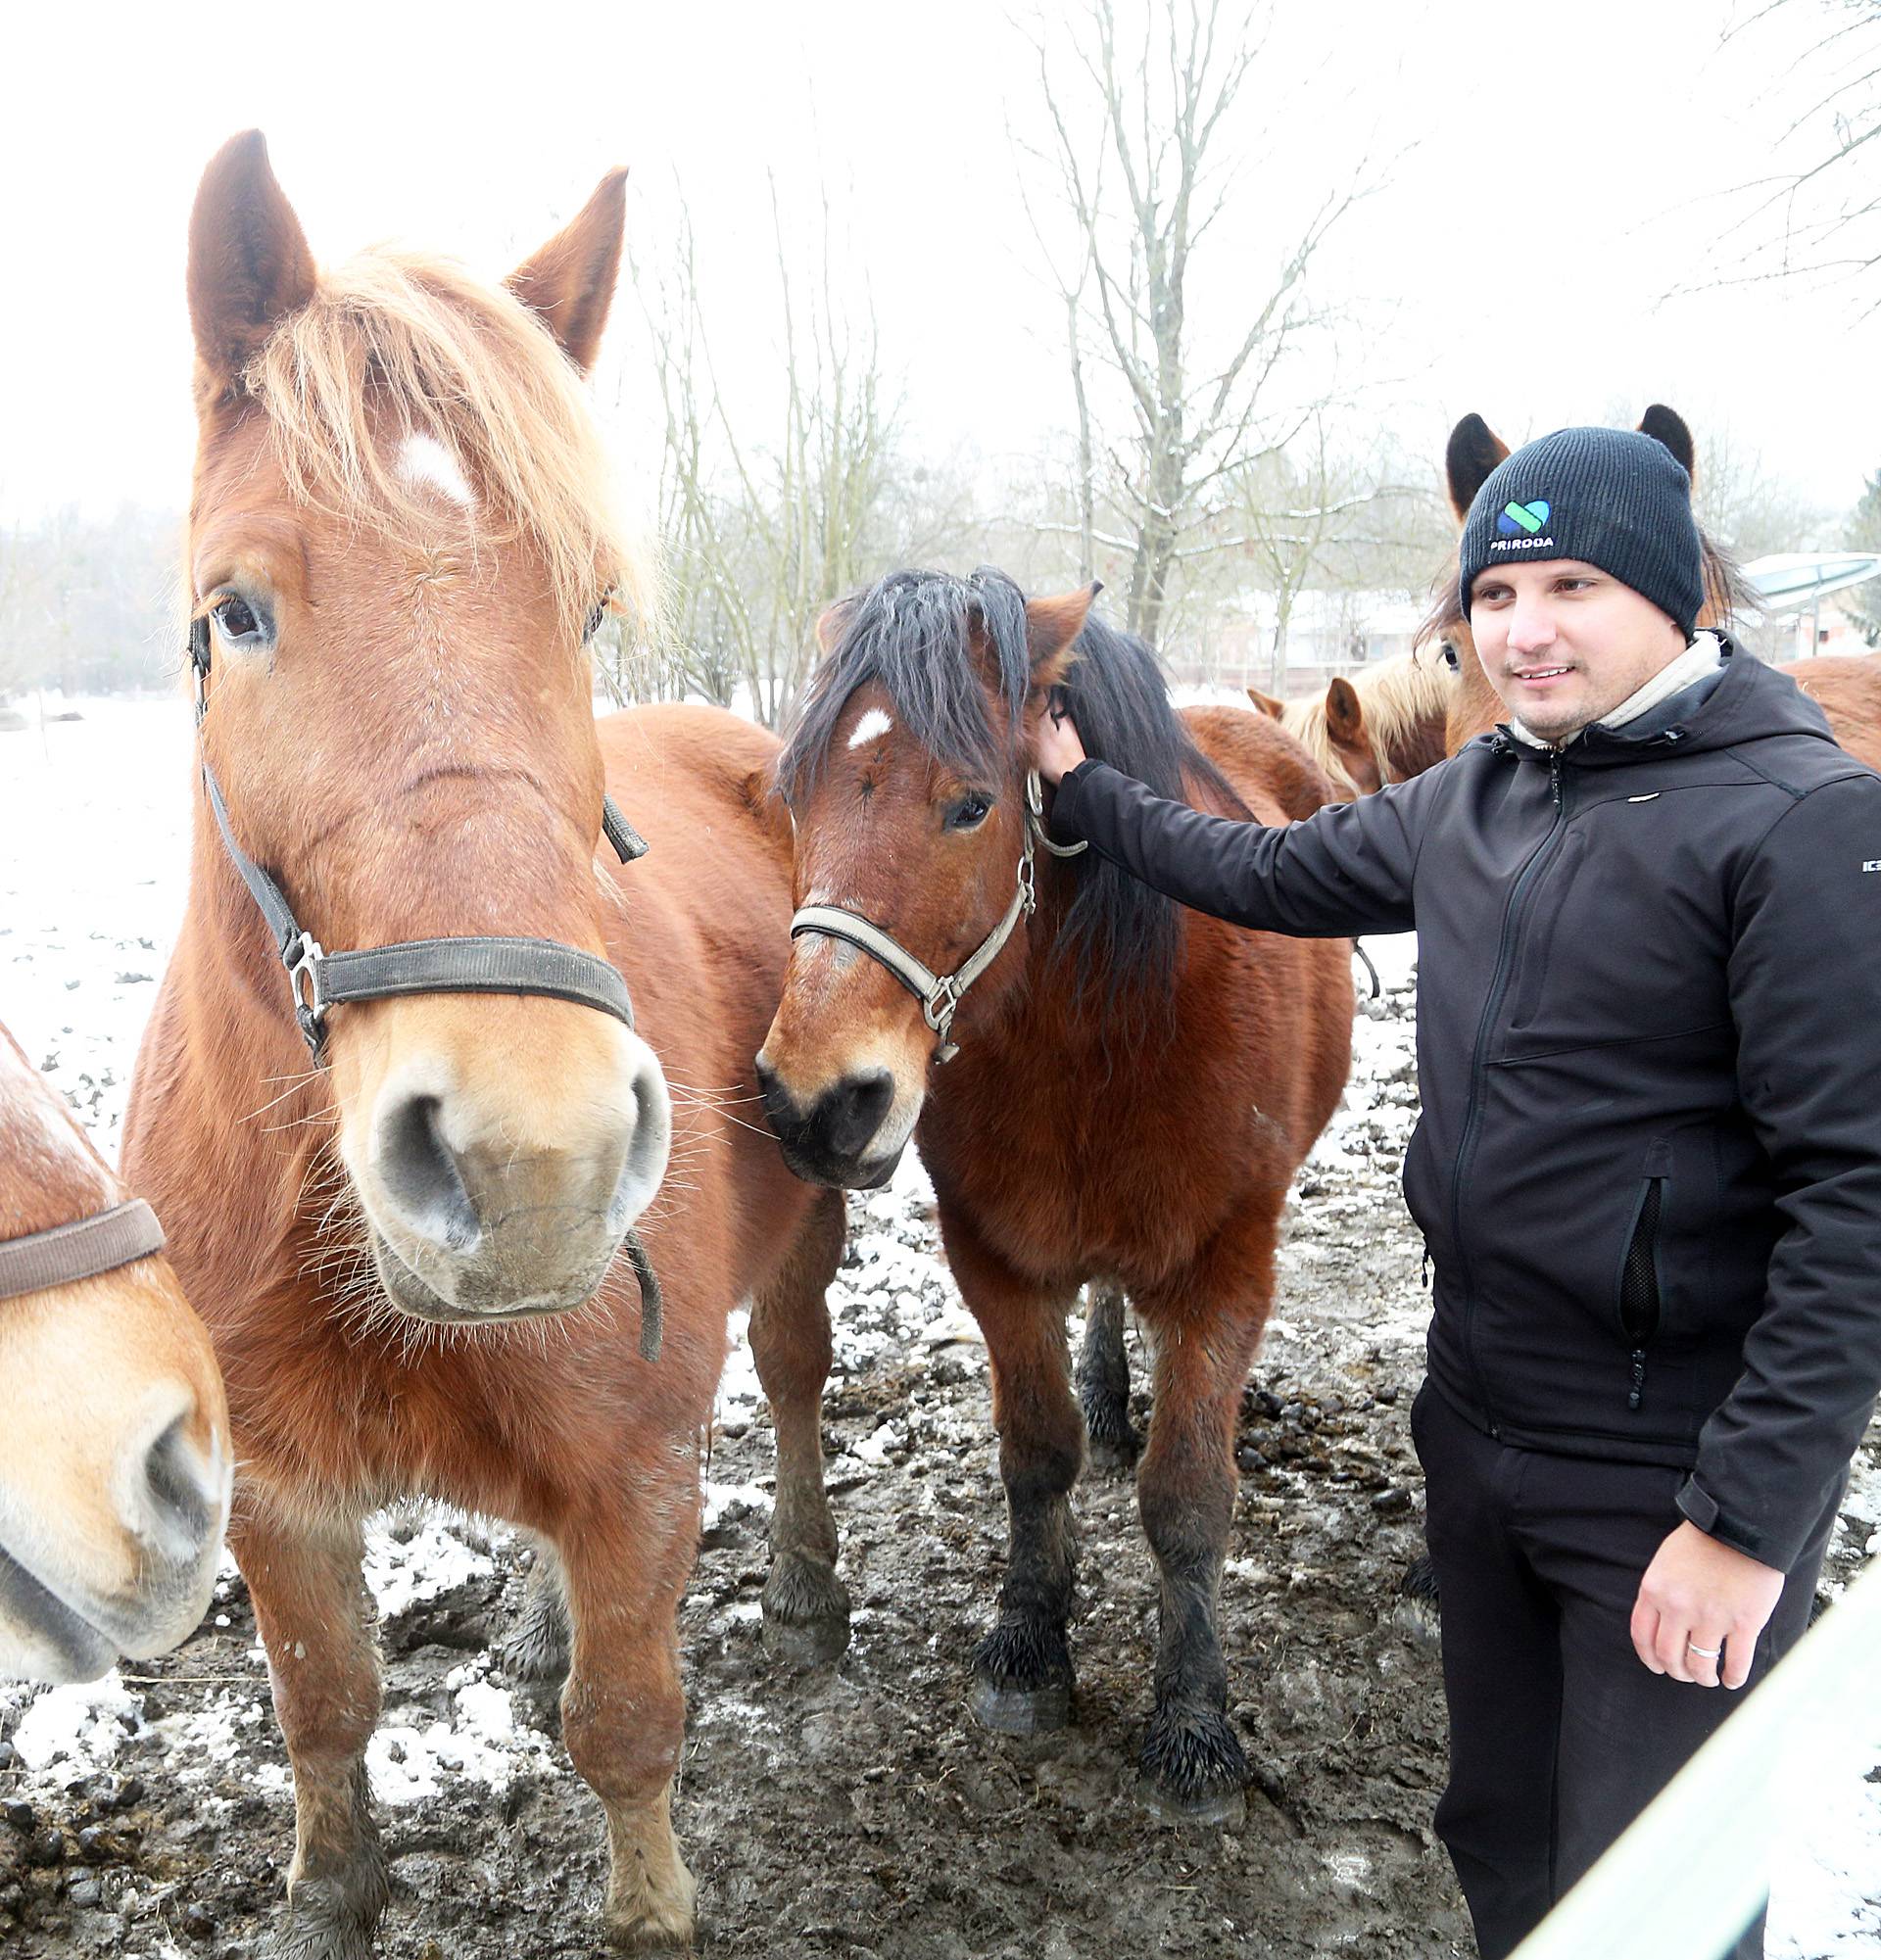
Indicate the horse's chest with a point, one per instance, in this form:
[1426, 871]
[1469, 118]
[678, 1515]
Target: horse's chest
[1094, 1167]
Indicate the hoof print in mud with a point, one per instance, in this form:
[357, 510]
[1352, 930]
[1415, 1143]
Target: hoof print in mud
[1195, 1770]
[806, 1612]
[1022, 1679]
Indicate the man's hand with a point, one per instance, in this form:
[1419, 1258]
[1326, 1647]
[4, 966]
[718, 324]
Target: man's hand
[1698, 1593]
[1056, 748]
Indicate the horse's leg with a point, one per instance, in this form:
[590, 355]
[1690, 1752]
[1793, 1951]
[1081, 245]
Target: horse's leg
[537, 1648]
[309, 1610]
[1206, 1332]
[806, 1607]
[1103, 1382]
[623, 1713]
[1022, 1673]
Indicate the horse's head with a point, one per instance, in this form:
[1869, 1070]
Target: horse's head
[1473, 451]
[906, 778]
[115, 1479]
[399, 541]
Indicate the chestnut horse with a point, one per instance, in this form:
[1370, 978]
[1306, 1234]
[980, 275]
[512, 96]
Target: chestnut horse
[411, 1254]
[1384, 724]
[1131, 1094]
[115, 1481]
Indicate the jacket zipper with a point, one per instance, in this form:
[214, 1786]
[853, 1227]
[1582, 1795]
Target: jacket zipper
[1498, 988]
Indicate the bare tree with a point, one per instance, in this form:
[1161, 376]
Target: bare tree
[766, 521]
[1144, 194]
[1821, 218]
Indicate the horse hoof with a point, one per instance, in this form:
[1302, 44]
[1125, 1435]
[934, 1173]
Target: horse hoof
[1419, 1581]
[1113, 1455]
[1225, 1807]
[1021, 1711]
[1195, 1770]
[806, 1610]
[318, 1925]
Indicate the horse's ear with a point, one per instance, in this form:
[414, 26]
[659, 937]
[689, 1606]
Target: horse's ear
[249, 264]
[1344, 717]
[1052, 625]
[1266, 704]
[570, 283]
[830, 623]
[1473, 451]
[1668, 426]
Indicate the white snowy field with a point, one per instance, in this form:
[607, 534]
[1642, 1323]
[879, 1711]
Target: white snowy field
[94, 855]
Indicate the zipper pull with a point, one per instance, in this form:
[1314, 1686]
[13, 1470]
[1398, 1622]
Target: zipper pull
[1426, 1277]
[1638, 1389]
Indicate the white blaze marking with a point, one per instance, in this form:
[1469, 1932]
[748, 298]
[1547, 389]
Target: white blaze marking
[426, 463]
[874, 722]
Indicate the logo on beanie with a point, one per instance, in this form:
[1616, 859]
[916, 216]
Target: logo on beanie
[1518, 520]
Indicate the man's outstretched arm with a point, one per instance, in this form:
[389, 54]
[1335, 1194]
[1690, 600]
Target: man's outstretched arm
[1347, 870]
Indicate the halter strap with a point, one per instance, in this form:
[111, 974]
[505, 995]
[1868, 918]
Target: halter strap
[476, 963]
[81, 1250]
[939, 994]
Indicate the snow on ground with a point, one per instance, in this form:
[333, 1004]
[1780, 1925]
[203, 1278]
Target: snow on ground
[93, 857]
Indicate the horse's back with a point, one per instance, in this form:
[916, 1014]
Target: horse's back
[1267, 768]
[1847, 689]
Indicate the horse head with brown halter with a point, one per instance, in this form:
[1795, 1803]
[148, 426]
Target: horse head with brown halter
[320, 980]
[115, 1487]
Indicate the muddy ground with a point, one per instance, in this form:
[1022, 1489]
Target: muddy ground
[855, 1809]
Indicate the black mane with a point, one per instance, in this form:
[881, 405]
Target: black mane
[909, 632]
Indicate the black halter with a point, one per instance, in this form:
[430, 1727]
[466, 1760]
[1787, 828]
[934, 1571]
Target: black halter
[321, 980]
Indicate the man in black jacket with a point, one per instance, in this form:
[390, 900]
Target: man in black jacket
[1648, 1169]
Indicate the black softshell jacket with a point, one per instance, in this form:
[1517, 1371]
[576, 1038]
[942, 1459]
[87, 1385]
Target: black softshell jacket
[1648, 1169]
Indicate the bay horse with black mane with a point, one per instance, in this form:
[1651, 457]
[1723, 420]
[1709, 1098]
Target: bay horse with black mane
[439, 1260]
[1132, 1093]
[115, 1481]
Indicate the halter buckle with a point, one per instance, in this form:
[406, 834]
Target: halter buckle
[303, 957]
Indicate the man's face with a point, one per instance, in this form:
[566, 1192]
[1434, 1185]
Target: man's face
[1563, 642]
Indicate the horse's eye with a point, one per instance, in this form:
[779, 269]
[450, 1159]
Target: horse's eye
[969, 813]
[1450, 658]
[237, 621]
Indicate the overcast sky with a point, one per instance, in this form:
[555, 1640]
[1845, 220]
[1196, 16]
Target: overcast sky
[1572, 168]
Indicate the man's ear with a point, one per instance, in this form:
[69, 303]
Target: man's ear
[1473, 451]
[1266, 704]
[1052, 627]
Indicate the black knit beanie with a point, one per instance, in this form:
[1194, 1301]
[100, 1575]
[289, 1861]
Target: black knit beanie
[1610, 497]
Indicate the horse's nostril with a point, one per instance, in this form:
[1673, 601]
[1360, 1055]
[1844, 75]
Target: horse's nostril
[851, 1112]
[419, 1173]
[174, 1488]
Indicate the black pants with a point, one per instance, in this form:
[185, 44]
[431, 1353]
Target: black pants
[1559, 1735]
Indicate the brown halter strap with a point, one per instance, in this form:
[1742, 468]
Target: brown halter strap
[66, 1254]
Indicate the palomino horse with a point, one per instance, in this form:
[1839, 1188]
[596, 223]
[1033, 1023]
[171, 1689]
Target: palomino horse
[1131, 1094]
[115, 1482]
[414, 1264]
[1384, 725]
[1474, 450]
